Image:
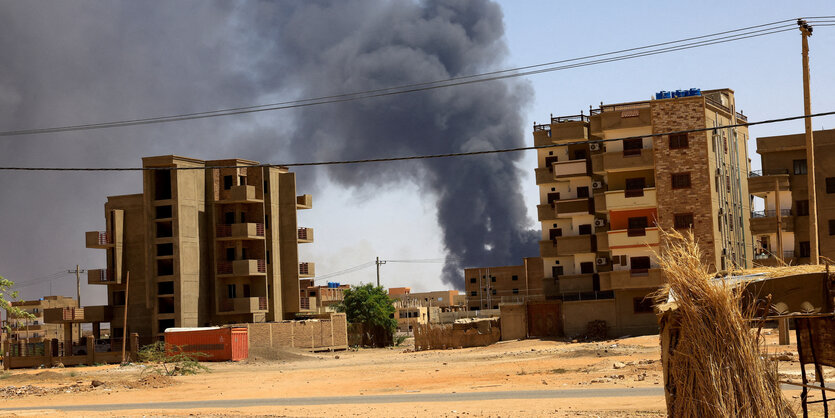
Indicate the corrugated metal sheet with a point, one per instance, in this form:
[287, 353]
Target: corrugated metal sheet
[221, 344]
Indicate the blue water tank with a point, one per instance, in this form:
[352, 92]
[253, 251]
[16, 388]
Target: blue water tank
[659, 95]
[667, 94]
[695, 92]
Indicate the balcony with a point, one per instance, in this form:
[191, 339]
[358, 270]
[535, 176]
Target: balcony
[631, 199]
[304, 201]
[63, 315]
[305, 235]
[307, 270]
[765, 221]
[760, 182]
[240, 194]
[571, 168]
[243, 305]
[547, 249]
[569, 128]
[102, 276]
[568, 245]
[633, 237]
[629, 279]
[631, 160]
[764, 258]
[544, 175]
[546, 212]
[226, 232]
[98, 239]
[569, 207]
[241, 268]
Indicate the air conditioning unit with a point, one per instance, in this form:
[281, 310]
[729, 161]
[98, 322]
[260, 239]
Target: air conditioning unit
[597, 185]
[602, 261]
[594, 146]
[599, 222]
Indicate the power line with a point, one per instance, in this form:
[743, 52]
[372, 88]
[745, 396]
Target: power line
[420, 157]
[711, 39]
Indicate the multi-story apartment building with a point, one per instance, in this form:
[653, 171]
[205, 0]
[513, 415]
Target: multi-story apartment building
[602, 203]
[783, 185]
[487, 287]
[206, 242]
[35, 329]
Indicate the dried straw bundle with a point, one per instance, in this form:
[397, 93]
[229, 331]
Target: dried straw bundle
[713, 365]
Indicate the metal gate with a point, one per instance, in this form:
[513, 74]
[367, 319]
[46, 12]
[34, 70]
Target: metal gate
[544, 319]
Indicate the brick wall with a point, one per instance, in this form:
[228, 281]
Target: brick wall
[267, 339]
[677, 115]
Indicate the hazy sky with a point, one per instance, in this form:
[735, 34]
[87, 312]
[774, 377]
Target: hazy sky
[73, 62]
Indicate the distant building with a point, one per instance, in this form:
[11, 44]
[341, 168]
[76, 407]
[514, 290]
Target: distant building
[35, 329]
[487, 287]
[212, 242]
[412, 309]
[784, 179]
[321, 299]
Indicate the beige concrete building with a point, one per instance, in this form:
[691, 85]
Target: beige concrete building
[203, 246]
[320, 299]
[601, 203]
[782, 184]
[419, 308]
[487, 287]
[36, 329]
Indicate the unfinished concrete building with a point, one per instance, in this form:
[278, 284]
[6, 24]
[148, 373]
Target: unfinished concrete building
[781, 227]
[487, 287]
[35, 329]
[320, 299]
[602, 203]
[205, 243]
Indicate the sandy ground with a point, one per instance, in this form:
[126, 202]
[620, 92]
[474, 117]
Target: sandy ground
[506, 366]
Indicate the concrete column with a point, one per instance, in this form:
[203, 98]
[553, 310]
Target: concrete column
[7, 358]
[134, 346]
[97, 330]
[783, 331]
[91, 351]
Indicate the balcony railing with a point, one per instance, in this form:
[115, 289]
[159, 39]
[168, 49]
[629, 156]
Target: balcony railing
[305, 234]
[306, 269]
[104, 238]
[770, 213]
[240, 230]
[246, 267]
[741, 117]
[544, 127]
[98, 239]
[575, 296]
[572, 118]
[774, 172]
[304, 303]
[224, 267]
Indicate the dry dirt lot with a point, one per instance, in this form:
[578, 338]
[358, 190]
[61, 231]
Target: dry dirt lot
[610, 378]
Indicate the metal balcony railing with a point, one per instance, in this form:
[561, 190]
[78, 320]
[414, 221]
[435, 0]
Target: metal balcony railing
[571, 118]
[574, 296]
[304, 303]
[104, 238]
[769, 213]
[262, 303]
[759, 173]
[224, 267]
[304, 268]
[303, 233]
[262, 266]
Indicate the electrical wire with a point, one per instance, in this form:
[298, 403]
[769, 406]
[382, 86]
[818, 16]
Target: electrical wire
[422, 157]
[760, 30]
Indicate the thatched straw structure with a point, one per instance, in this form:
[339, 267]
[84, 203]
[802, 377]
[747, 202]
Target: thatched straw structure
[712, 363]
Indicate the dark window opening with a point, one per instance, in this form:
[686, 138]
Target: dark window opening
[553, 197]
[639, 263]
[515, 277]
[580, 154]
[801, 207]
[165, 305]
[832, 227]
[246, 291]
[242, 180]
[229, 218]
[163, 212]
[473, 293]
[165, 267]
[587, 267]
[165, 249]
[119, 298]
[632, 146]
[495, 306]
[678, 141]
[164, 324]
[582, 192]
[642, 305]
[162, 184]
[830, 185]
[635, 187]
[165, 288]
[227, 182]
[472, 279]
[799, 166]
[515, 291]
[681, 180]
[165, 229]
[556, 271]
[584, 229]
[266, 187]
[268, 257]
[638, 222]
[493, 279]
[805, 250]
[554, 233]
[493, 291]
[231, 291]
[243, 217]
[683, 220]
[230, 254]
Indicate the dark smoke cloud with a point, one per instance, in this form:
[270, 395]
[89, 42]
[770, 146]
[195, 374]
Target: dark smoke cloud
[68, 62]
[342, 46]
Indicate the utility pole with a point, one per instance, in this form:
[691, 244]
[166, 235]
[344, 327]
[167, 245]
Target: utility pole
[125, 318]
[77, 272]
[378, 262]
[806, 32]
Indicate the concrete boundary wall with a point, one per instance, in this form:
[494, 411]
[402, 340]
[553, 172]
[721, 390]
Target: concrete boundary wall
[477, 333]
[267, 338]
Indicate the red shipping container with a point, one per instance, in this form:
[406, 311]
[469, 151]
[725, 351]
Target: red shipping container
[221, 344]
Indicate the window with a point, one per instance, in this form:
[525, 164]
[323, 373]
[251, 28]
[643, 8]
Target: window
[640, 263]
[495, 306]
[268, 257]
[230, 291]
[681, 180]
[229, 218]
[243, 217]
[163, 212]
[473, 293]
[635, 187]
[580, 154]
[799, 166]
[515, 291]
[584, 229]
[267, 222]
[230, 254]
[830, 185]
[642, 305]
[493, 291]
[163, 288]
[165, 249]
[556, 271]
[632, 146]
[493, 279]
[582, 192]
[805, 250]
[266, 187]
[162, 184]
[242, 180]
[587, 267]
[638, 222]
[472, 280]
[801, 207]
[227, 182]
[515, 277]
[163, 324]
[683, 220]
[678, 141]
[832, 227]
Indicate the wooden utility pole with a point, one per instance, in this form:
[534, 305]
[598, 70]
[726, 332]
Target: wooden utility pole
[779, 213]
[125, 318]
[806, 32]
[378, 262]
[77, 272]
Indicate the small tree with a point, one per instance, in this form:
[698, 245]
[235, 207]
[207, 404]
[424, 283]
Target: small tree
[370, 306]
[6, 297]
[171, 360]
